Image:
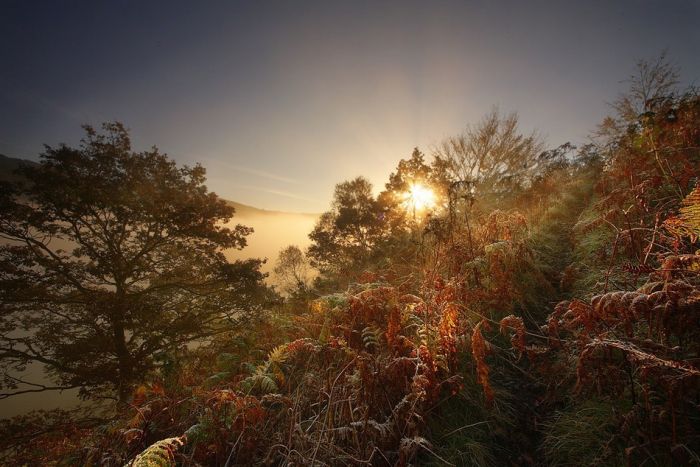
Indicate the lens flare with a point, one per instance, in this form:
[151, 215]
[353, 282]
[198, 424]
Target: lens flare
[419, 198]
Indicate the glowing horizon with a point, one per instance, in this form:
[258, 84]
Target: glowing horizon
[281, 101]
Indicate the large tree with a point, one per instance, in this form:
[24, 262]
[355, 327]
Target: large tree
[360, 231]
[112, 256]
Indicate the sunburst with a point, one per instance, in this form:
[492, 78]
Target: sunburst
[419, 198]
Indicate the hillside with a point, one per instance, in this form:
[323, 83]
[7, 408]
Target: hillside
[8, 165]
[544, 313]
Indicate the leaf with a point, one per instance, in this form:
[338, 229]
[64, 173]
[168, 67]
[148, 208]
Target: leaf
[159, 454]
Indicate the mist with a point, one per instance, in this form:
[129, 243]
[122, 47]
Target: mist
[273, 230]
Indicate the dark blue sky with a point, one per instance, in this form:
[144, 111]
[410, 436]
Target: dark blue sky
[281, 100]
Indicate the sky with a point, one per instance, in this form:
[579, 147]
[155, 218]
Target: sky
[282, 100]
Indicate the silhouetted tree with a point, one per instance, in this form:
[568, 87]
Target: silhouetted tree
[112, 257]
[344, 237]
[652, 87]
[411, 172]
[493, 155]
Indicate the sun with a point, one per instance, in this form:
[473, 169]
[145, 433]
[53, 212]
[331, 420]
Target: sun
[419, 198]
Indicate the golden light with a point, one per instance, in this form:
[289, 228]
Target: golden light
[419, 198]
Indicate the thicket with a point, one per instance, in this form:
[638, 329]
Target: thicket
[562, 328]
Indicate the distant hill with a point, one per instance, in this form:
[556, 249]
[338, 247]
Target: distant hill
[8, 165]
[245, 210]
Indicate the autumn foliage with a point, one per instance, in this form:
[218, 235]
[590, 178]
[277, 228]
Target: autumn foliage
[562, 328]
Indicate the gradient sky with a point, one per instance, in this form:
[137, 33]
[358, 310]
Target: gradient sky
[282, 100]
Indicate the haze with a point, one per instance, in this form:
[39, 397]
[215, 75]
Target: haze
[281, 100]
[272, 231]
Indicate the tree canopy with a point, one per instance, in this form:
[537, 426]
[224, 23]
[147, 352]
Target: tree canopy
[345, 235]
[111, 257]
[493, 154]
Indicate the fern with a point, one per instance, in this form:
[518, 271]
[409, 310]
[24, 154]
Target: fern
[370, 337]
[268, 376]
[278, 355]
[409, 447]
[159, 454]
[480, 348]
[414, 322]
[261, 382]
[690, 212]
[517, 339]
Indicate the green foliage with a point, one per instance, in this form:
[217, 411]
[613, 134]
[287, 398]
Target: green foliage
[464, 430]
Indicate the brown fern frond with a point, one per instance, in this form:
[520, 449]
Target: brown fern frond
[690, 212]
[480, 348]
[515, 323]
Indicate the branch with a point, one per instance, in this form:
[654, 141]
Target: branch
[9, 352]
[39, 388]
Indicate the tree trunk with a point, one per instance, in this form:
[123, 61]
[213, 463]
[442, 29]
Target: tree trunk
[125, 377]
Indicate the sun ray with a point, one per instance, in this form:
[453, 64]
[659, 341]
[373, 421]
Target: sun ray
[419, 198]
